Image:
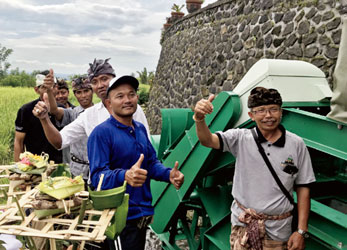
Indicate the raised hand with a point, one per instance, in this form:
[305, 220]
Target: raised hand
[46, 101]
[176, 177]
[136, 176]
[203, 107]
[48, 82]
[40, 110]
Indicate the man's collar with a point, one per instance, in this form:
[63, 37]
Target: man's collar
[100, 105]
[121, 125]
[70, 104]
[280, 142]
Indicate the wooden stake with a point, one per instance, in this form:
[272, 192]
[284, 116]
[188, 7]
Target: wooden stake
[52, 243]
[100, 182]
[30, 240]
[90, 216]
[80, 218]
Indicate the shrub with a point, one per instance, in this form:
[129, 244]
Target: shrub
[143, 96]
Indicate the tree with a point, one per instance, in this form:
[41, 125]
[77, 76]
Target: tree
[151, 78]
[145, 77]
[18, 78]
[4, 65]
[72, 77]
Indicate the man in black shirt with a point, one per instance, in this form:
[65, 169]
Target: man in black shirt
[29, 133]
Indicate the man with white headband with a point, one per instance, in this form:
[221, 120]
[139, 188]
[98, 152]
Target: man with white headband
[29, 133]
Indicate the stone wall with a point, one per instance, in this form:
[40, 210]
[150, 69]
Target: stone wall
[210, 51]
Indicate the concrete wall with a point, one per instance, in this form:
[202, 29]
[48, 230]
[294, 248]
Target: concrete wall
[210, 51]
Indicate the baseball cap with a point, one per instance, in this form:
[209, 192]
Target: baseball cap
[122, 80]
[40, 77]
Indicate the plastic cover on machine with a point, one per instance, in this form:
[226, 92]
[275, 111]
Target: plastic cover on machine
[339, 99]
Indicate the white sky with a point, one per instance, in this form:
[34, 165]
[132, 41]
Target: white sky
[66, 35]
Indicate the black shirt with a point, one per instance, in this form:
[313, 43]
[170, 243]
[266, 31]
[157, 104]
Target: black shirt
[35, 140]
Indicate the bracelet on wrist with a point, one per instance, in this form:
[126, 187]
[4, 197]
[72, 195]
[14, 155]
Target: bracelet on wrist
[198, 120]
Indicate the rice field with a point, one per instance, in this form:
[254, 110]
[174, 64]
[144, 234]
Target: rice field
[11, 99]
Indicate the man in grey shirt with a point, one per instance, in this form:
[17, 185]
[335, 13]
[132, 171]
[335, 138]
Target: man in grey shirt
[261, 213]
[78, 158]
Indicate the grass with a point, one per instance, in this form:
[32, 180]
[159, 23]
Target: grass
[11, 99]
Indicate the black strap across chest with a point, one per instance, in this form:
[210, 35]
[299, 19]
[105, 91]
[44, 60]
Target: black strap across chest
[266, 159]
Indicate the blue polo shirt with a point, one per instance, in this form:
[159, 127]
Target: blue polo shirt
[113, 148]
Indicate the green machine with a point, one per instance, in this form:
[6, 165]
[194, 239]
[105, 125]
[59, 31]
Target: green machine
[200, 211]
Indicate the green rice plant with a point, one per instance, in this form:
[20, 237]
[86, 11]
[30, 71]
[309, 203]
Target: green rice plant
[11, 99]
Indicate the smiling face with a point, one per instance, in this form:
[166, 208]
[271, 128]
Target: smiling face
[84, 97]
[267, 117]
[122, 100]
[100, 84]
[62, 96]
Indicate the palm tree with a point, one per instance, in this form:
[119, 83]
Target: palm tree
[145, 77]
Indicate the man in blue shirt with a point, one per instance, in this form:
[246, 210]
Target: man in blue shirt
[120, 149]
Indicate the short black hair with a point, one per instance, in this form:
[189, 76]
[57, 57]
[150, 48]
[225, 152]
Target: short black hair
[45, 72]
[62, 84]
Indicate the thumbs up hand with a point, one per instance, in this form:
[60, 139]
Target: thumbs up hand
[176, 177]
[203, 107]
[136, 176]
[40, 110]
[46, 101]
[48, 82]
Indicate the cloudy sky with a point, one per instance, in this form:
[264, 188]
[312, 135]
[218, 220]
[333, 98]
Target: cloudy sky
[68, 34]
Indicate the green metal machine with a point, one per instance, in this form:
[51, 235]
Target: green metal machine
[200, 211]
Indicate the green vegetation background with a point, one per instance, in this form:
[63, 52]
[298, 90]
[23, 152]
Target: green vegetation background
[12, 98]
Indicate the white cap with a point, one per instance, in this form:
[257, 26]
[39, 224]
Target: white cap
[40, 79]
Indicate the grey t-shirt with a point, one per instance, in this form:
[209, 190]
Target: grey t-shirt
[254, 186]
[78, 149]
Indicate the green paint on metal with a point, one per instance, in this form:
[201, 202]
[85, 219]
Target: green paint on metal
[155, 140]
[217, 237]
[327, 232]
[330, 214]
[216, 201]
[325, 103]
[208, 175]
[164, 237]
[309, 126]
[193, 158]
[175, 122]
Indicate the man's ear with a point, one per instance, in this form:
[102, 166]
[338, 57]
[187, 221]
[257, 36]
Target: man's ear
[36, 89]
[108, 102]
[251, 115]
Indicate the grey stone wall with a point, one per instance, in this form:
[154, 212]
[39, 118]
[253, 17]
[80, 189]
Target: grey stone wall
[211, 50]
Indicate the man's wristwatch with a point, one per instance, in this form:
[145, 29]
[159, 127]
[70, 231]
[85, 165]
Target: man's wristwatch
[303, 233]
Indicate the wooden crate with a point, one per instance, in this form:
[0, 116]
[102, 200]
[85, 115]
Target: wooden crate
[56, 227]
